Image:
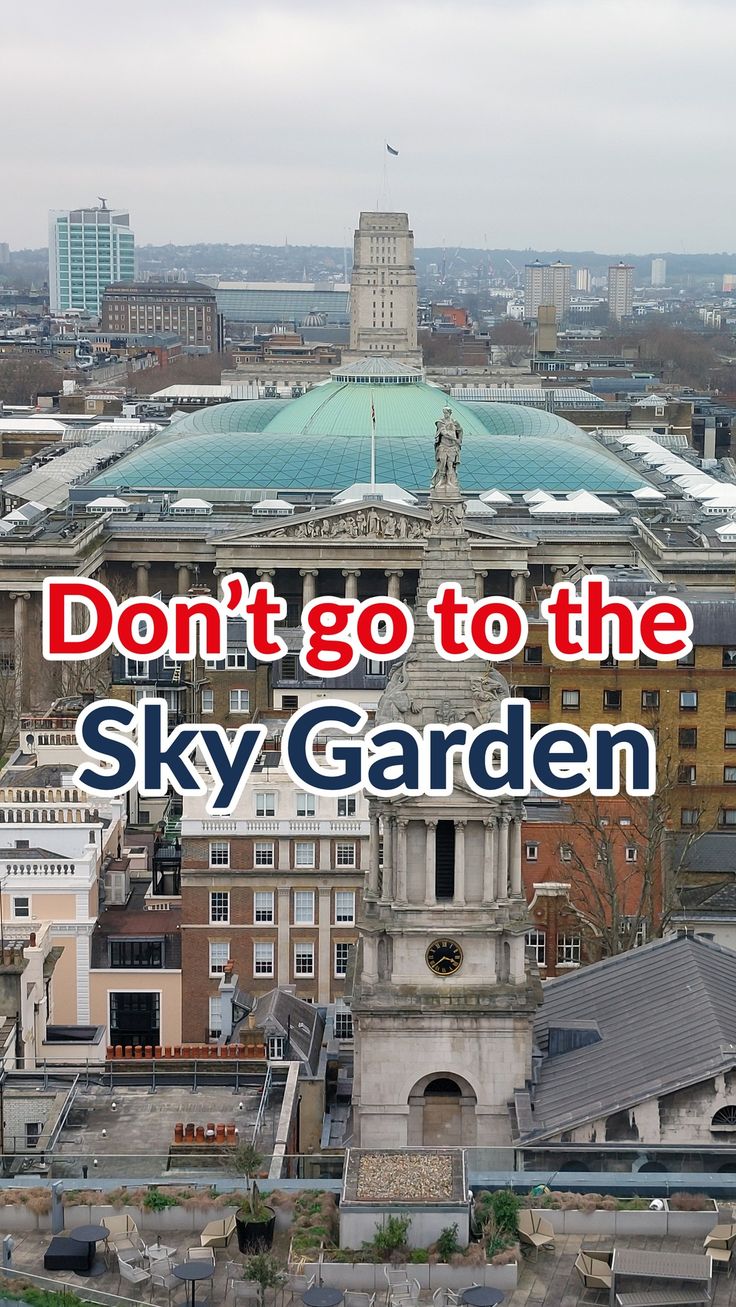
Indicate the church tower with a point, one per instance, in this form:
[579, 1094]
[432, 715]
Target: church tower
[383, 291]
[443, 997]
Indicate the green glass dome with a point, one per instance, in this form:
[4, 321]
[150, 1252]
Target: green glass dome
[321, 441]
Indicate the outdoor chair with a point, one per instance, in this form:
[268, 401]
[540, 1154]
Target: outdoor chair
[162, 1277]
[721, 1236]
[218, 1233]
[595, 1275]
[131, 1274]
[534, 1231]
[445, 1298]
[200, 1255]
[246, 1291]
[352, 1298]
[125, 1250]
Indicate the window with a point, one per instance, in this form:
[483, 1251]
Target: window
[219, 907]
[650, 698]
[375, 667]
[536, 942]
[219, 853]
[626, 924]
[21, 907]
[240, 701]
[236, 658]
[729, 658]
[219, 956]
[570, 699]
[289, 665]
[306, 805]
[566, 852]
[304, 853]
[610, 661]
[289, 702]
[262, 958]
[729, 775]
[341, 958]
[135, 667]
[263, 906]
[611, 698]
[344, 907]
[646, 661]
[686, 774]
[135, 952]
[687, 660]
[346, 805]
[304, 959]
[729, 739]
[207, 701]
[534, 693]
[688, 700]
[631, 853]
[532, 852]
[276, 1048]
[304, 907]
[533, 653]
[345, 855]
[343, 1022]
[727, 817]
[263, 853]
[568, 950]
[689, 816]
[688, 737]
[730, 704]
[265, 804]
[215, 1016]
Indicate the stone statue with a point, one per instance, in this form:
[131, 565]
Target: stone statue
[447, 445]
[488, 690]
[395, 703]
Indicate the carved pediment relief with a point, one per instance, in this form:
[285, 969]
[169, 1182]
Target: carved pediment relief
[362, 522]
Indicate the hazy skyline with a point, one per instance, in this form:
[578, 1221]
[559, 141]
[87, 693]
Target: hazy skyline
[542, 123]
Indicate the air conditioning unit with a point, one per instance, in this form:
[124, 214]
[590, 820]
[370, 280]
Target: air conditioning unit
[117, 888]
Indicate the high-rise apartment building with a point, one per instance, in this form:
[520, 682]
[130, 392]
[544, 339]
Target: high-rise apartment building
[89, 249]
[659, 272]
[620, 290]
[547, 283]
[582, 279]
[4, 254]
[188, 309]
[383, 298]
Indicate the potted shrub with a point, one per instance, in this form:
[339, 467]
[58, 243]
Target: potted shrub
[263, 1269]
[254, 1219]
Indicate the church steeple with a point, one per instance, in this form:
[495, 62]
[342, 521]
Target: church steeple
[443, 994]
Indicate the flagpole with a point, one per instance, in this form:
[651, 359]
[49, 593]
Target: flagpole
[373, 444]
[385, 174]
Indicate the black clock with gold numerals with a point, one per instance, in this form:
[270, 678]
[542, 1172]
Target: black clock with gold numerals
[444, 957]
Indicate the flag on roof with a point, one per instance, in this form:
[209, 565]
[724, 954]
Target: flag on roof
[391, 149]
[373, 414]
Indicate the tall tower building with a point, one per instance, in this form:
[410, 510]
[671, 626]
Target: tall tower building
[89, 249]
[547, 283]
[383, 297]
[659, 272]
[620, 290]
[443, 996]
[582, 279]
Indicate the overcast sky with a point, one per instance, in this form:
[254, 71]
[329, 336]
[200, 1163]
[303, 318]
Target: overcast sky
[578, 124]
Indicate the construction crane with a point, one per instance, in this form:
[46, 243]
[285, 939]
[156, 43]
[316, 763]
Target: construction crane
[519, 278]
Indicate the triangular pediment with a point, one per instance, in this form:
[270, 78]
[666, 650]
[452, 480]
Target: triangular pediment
[364, 520]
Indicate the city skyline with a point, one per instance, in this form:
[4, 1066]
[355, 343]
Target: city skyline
[625, 166]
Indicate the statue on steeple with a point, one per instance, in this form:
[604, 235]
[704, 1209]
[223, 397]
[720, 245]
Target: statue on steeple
[447, 445]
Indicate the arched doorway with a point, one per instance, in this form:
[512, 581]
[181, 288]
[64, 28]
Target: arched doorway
[442, 1113]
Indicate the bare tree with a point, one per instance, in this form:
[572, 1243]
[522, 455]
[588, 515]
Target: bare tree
[23, 377]
[514, 340]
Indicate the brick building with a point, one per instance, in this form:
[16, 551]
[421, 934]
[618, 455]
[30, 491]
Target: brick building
[187, 309]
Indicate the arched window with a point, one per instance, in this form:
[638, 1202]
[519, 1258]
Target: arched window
[442, 1087]
[725, 1118]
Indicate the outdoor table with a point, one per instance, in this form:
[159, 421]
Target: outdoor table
[686, 1268]
[190, 1272]
[156, 1252]
[481, 1295]
[318, 1296]
[91, 1235]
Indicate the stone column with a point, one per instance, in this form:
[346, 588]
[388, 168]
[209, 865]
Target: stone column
[558, 574]
[519, 580]
[141, 578]
[324, 978]
[502, 847]
[393, 582]
[401, 825]
[480, 584]
[374, 871]
[515, 858]
[185, 579]
[370, 959]
[458, 897]
[489, 861]
[387, 879]
[283, 968]
[309, 584]
[21, 651]
[266, 574]
[351, 582]
[430, 897]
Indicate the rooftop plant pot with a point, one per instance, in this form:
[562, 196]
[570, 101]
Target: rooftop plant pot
[255, 1236]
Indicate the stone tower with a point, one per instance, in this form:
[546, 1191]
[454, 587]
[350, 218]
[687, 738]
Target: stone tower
[383, 294]
[443, 996]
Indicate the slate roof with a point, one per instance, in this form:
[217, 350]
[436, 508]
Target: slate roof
[280, 1012]
[708, 898]
[714, 851]
[666, 1018]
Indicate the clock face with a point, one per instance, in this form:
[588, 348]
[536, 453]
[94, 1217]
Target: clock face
[444, 957]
